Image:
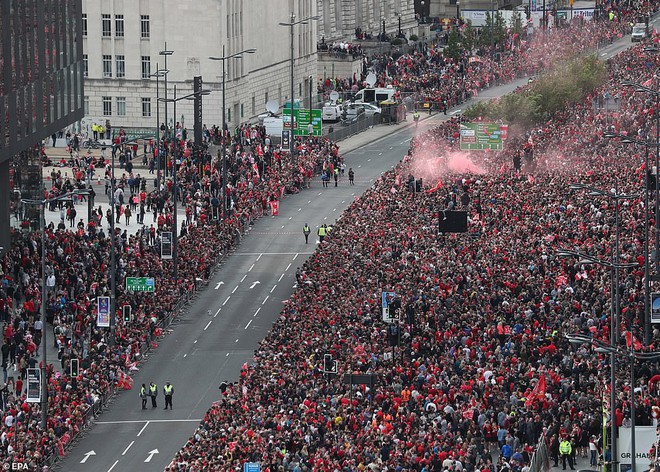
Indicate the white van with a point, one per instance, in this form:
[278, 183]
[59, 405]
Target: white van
[274, 125]
[639, 32]
[375, 95]
[331, 112]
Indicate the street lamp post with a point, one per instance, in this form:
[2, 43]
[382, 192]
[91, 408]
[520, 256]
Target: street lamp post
[223, 58]
[291, 24]
[458, 10]
[44, 287]
[632, 356]
[158, 74]
[165, 52]
[175, 251]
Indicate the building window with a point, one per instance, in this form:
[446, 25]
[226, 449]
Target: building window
[121, 67]
[107, 106]
[144, 26]
[242, 111]
[146, 67]
[229, 115]
[86, 105]
[119, 26]
[84, 24]
[146, 107]
[106, 28]
[107, 66]
[121, 106]
[85, 65]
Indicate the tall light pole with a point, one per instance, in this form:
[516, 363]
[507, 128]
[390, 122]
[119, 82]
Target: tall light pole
[165, 52]
[631, 356]
[291, 24]
[458, 11]
[43, 371]
[223, 58]
[175, 251]
[158, 74]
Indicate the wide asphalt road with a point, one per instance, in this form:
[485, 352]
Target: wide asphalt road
[223, 326]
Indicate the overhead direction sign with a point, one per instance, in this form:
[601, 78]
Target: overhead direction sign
[301, 120]
[480, 136]
[140, 284]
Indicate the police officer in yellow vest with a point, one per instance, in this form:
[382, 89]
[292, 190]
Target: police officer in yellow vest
[322, 232]
[306, 231]
[168, 390]
[143, 396]
[565, 450]
[153, 393]
[416, 117]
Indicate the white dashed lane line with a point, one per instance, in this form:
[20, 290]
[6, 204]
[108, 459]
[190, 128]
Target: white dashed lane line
[247, 325]
[227, 299]
[265, 299]
[271, 290]
[207, 325]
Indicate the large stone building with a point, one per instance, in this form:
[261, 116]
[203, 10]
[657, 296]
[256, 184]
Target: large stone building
[123, 38]
[41, 90]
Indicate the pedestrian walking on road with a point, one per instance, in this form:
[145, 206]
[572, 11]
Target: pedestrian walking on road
[351, 176]
[306, 231]
[143, 396]
[168, 390]
[153, 393]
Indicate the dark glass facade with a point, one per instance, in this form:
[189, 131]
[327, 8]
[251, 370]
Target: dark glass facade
[41, 71]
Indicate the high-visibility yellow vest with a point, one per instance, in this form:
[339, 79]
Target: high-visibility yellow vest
[168, 390]
[321, 231]
[153, 389]
[565, 447]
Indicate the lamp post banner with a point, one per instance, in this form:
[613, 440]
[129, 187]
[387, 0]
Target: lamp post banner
[197, 83]
[645, 437]
[103, 312]
[33, 386]
[655, 307]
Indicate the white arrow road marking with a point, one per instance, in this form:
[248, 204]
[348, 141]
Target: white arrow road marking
[87, 454]
[151, 454]
[218, 284]
[255, 283]
[127, 448]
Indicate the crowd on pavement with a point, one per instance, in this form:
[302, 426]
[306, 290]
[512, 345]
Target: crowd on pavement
[470, 306]
[477, 368]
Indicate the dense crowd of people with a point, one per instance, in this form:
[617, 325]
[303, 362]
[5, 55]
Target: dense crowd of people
[471, 302]
[477, 369]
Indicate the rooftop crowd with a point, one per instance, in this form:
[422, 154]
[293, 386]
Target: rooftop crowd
[284, 410]
[483, 315]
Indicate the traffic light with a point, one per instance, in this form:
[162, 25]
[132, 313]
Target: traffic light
[126, 312]
[328, 363]
[73, 367]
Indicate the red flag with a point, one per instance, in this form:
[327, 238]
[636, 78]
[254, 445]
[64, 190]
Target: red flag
[275, 207]
[256, 169]
[124, 380]
[538, 392]
[632, 339]
[437, 187]
[530, 179]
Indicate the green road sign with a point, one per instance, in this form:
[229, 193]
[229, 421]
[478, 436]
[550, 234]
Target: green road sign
[480, 136]
[301, 120]
[140, 284]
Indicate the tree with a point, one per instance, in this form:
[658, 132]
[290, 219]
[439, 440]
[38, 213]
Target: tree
[453, 48]
[469, 36]
[517, 26]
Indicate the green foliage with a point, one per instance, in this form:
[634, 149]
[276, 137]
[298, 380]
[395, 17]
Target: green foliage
[397, 41]
[563, 87]
[453, 48]
[413, 37]
[469, 36]
[517, 23]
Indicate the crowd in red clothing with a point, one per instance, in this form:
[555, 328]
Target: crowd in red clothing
[483, 314]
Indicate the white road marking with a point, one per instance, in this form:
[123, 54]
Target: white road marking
[249, 323]
[299, 209]
[218, 284]
[334, 209]
[185, 355]
[271, 290]
[343, 201]
[143, 428]
[225, 302]
[195, 341]
[309, 201]
[235, 288]
[260, 254]
[84, 459]
[325, 218]
[287, 267]
[270, 253]
[227, 355]
[236, 340]
[127, 448]
[216, 313]
[294, 257]
[243, 278]
[282, 226]
[189, 420]
[264, 302]
[291, 217]
[254, 284]
[208, 324]
[320, 193]
[455, 111]
[255, 313]
[281, 277]
[251, 267]
[113, 465]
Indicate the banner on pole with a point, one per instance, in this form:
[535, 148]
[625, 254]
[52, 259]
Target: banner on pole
[655, 307]
[645, 437]
[33, 386]
[103, 312]
[166, 245]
